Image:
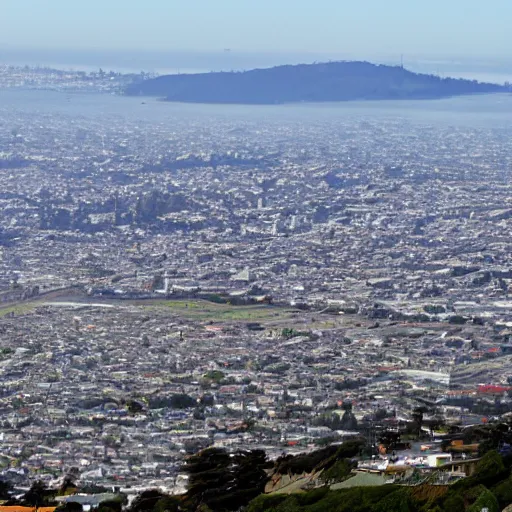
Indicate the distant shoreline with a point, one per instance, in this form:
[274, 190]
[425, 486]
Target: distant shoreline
[327, 102]
[494, 69]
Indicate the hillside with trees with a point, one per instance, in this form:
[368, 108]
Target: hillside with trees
[245, 480]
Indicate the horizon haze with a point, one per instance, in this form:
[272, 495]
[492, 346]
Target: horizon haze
[288, 26]
[170, 37]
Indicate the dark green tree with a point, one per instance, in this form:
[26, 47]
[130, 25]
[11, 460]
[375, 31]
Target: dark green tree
[37, 496]
[348, 420]
[168, 504]
[486, 500]
[417, 418]
[146, 501]
[5, 490]
[69, 506]
[503, 492]
[224, 481]
[453, 502]
[134, 406]
[68, 485]
[182, 401]
[489, 466]
[114, 505]
[398, 501]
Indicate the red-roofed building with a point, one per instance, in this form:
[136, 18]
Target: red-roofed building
[492, 389]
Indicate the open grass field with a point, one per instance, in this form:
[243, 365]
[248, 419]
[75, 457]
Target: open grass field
[194, 309]
[202, 310]
[19, 309]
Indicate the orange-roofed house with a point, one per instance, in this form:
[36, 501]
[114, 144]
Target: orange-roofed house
[19, 508]
[16, 508]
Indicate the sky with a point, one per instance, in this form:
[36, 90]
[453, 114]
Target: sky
[363, 28]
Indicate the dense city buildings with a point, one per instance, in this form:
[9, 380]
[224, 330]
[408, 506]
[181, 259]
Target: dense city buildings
[177, 277]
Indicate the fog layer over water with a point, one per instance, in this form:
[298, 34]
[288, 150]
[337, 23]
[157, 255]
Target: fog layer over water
[472, 111]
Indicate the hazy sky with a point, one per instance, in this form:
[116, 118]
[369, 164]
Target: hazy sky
[352, 27]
